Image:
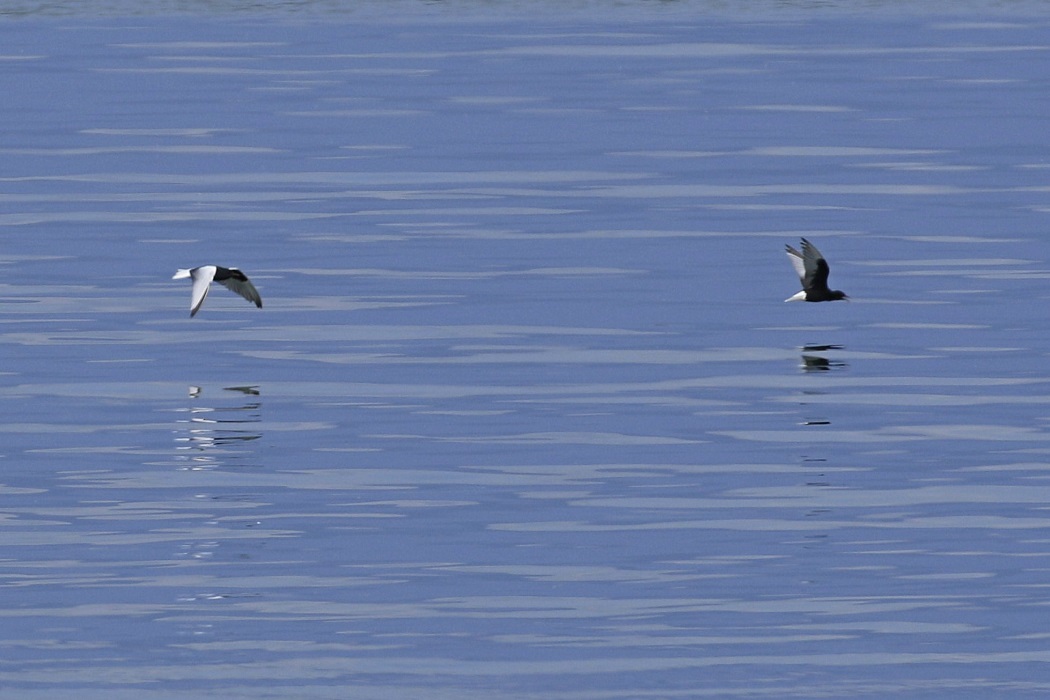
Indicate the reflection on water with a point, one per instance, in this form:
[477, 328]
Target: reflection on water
[212, 433]
[816, 363]
[812, 362]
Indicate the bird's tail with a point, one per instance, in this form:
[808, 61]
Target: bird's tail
[181, 274]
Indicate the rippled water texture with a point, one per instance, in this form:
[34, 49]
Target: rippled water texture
[523, 414]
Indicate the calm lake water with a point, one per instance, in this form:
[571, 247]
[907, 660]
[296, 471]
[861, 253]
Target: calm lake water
[524, 414]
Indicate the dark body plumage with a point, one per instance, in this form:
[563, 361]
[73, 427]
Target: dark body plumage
[813, 271]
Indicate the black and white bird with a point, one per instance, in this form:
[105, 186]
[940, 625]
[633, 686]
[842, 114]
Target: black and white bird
[813, 270]
[229, 277]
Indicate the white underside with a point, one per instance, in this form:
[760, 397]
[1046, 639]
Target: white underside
[801, 296]
[202, 277]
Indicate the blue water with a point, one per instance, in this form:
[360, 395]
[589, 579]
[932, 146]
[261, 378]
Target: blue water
[523, 414]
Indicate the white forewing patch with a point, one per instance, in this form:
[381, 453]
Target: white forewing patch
[202, 277]
[799, 264]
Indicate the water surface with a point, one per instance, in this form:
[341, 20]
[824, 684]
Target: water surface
[524, 414]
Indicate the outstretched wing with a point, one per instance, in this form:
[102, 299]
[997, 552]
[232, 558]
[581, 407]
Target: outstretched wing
[202, 277]
[816, 267]
[238, 282]
[797, 262]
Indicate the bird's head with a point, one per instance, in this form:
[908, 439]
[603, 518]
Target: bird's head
[836, 295]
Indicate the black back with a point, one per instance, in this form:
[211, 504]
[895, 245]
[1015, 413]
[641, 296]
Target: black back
[815, 281]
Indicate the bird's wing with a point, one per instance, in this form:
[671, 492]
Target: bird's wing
[796, 261]
[817, 269]
[239, 282]
[202, 277]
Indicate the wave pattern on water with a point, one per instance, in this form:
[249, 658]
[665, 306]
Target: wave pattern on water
[523, 415]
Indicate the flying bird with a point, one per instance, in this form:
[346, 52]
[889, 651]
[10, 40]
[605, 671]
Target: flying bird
[813, 270]
[229, 277]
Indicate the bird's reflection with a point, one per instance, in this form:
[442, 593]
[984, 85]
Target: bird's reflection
[816, 363]
[815, 359]
[819, 363]
[213, 436]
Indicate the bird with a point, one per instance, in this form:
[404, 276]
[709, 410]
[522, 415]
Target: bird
[229, 277]
[813, 270]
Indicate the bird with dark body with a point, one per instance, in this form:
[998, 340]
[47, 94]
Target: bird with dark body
[229, 277]
[813, 271]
